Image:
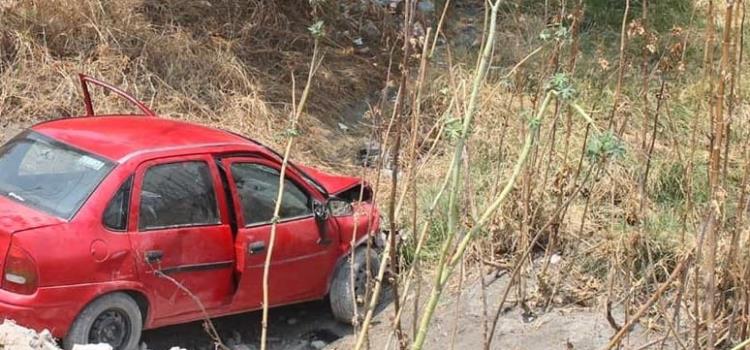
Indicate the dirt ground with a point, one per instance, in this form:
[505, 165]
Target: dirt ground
[307, 326]
[311, 326]
[462, 315]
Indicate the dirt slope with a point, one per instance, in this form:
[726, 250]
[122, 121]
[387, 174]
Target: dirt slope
[462, 314]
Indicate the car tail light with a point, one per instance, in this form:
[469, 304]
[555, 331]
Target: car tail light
[20, 275]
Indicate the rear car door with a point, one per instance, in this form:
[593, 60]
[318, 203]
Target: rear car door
[180, 232]
[305, 248]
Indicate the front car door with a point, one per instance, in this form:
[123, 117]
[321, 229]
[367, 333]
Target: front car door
[181, 234]
[301, 260]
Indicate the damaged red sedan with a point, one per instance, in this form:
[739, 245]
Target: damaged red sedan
[101, 215]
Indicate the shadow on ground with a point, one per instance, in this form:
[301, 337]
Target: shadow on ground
[298, 327]
[306, 326]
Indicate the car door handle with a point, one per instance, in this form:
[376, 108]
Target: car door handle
[153, 256]
[256, 247]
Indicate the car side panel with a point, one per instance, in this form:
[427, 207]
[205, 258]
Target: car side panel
[357, 225]
[199, 258]
[82, 251]
[299, 265]
[55, 308]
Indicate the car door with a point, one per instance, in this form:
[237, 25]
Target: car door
[180, 232]
[305, 248]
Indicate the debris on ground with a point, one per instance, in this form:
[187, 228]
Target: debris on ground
[13, 336]
[318, 344]
[16, 337]
[92, 347]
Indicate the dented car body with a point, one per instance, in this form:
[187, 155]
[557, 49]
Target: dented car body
[115, 209]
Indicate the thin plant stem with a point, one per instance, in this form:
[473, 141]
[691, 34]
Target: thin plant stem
[315, 63]
[446, 268]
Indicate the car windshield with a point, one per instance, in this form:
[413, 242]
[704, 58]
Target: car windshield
[48, 175]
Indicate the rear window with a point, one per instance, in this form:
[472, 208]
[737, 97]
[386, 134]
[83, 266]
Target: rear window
[45, 174]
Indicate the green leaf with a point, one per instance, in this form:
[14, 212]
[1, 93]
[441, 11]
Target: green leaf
[561, 85]
[605, 146]
[453, 128]
[317, 29]
[562, 34]
[291, 132]
[545, 35]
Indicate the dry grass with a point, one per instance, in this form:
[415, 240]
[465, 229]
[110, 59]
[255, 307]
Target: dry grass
[228, 63]
[607, 231]
[223, 63]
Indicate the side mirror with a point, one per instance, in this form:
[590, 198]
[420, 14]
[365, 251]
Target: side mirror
[321, 212]
[339, 207]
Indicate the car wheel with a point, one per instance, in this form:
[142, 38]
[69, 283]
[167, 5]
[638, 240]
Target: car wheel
[341, 296]
[114, 319]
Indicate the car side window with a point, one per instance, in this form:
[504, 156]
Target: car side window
[178, 194]
[116, 214]
[258, 187]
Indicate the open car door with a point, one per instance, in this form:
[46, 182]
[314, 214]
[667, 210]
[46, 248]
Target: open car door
[305, 247]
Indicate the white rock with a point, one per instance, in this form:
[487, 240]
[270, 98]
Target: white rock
[13, 336]
[318, 344]
[92, 347]
[242, 347]
[555, 259]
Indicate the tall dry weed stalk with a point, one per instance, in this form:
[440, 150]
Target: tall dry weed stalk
[317, 31]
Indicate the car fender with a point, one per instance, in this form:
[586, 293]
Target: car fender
[347, 250]
[131, 288]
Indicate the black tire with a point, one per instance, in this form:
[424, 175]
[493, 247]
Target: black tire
[341, 297]
[113, 318]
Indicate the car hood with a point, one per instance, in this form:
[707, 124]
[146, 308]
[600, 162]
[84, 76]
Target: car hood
[333, 184]
[15, 217]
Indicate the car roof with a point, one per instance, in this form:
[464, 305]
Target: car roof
[119, 137]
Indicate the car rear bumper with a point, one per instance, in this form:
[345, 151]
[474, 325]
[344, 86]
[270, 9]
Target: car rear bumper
[51, 308]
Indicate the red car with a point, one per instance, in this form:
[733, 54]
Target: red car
[101, 215]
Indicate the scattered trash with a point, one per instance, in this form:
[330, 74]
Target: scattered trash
[528, 317]
[343, 127]
[369, 154]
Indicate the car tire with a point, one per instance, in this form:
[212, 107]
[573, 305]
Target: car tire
[341, 296]
[113, 318]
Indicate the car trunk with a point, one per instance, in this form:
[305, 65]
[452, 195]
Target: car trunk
[16, 217]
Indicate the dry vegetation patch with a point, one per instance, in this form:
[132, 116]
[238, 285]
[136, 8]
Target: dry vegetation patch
[224, 63]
